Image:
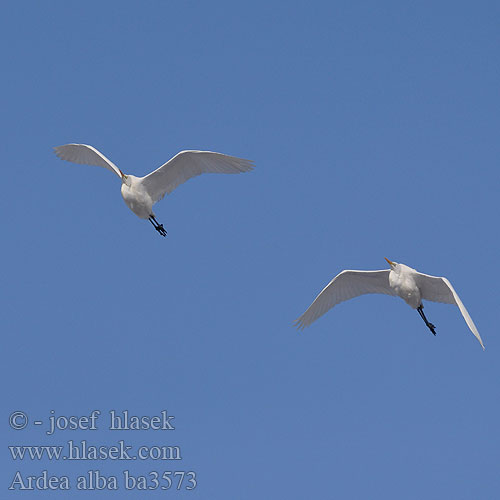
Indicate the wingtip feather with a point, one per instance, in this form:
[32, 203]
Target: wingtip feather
[300, 324]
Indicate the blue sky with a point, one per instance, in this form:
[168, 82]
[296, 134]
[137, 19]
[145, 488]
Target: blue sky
[374, 130]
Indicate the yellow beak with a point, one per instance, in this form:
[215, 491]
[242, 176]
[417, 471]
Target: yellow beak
[390, 263]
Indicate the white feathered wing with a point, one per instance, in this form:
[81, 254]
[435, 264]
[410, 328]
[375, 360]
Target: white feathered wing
[87, 155]
[346, 285]
[187, 164]
[439, 289]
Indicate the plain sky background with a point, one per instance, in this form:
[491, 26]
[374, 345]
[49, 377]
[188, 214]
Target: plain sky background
[374, 130]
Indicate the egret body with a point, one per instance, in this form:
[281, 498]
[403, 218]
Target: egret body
[141, 193]
[400, 280]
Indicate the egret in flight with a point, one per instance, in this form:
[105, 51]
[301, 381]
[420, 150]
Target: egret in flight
[399, 280]
[141, 193]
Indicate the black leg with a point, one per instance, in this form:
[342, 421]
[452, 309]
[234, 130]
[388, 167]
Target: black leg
[430, 326]
[159, 227]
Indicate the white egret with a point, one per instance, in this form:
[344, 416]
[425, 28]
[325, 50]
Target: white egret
[141, 193]
[399, 280]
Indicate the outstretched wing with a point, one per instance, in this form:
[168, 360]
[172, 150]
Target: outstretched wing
[438, 289]
[346, 285]
[87, 155]
[188, 164]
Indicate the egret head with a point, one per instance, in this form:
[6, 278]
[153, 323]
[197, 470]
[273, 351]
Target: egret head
[392, 264]
[125, 179]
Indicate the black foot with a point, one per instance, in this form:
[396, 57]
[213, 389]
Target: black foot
[157, 226]
[430, 326]
[161, 230]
